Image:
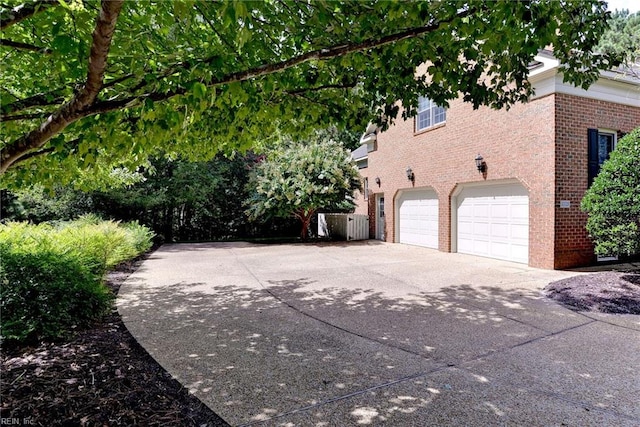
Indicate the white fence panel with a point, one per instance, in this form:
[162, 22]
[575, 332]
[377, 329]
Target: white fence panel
[342, 226]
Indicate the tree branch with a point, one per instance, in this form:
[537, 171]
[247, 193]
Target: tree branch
[328, 53]
[32, 154]
[24, 11]
[24, 117]
[25, 46]
[50, 98]
[73, 110]
[267, 69]
[323, 87]
[38, 100]
[84, 103]
[213, 28]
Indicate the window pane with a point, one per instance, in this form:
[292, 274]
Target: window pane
[423, 104]
[605, 145]
[429, 114]
[424, 119]
[440, 115]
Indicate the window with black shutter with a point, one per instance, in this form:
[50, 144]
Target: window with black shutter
[601, 143]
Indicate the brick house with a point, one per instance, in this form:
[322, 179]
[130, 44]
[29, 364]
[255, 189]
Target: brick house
[497, 183]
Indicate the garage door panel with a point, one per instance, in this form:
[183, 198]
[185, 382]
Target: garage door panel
[493, 221]
[500, 249]
[521, 232]
[418, 218]
[499, 210]
[481, 210]
[500, 231]
[520, 252]
[465, 228]
[520, 212]
[480, 246]
[480, 229]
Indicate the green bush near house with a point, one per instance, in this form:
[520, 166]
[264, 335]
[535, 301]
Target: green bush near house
[613, 200]
[51, 275]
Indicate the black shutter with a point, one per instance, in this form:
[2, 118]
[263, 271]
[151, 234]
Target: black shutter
[593, 164]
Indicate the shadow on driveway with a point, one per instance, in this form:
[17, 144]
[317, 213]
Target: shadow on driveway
[292, 353]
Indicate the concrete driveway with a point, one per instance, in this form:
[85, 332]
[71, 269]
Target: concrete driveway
[376, 334]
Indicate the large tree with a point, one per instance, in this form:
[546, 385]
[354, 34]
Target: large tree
[301, 178]
[90, 85]
[622, 39]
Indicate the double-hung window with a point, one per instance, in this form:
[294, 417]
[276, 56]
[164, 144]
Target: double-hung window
[600, 144]
[429, 114]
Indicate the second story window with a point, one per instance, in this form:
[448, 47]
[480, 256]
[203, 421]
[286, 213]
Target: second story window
[429, 114]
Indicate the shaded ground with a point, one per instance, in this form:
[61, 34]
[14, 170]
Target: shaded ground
[102, 377]
[605, 292]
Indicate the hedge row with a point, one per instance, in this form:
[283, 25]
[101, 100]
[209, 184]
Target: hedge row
[51, 275]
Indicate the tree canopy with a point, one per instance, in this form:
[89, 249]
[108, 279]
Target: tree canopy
[613, 201]
[88, 86]
[622, 39]
[302, 178]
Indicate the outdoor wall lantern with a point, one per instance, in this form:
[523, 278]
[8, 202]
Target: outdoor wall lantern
[410, 176]
[481, 164]
[378, 180]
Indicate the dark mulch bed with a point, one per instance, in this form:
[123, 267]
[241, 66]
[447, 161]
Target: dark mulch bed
[102, 377]
[606, 292]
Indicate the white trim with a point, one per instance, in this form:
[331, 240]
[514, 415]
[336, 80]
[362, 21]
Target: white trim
[369, 138]
[605, 89]
[494, 182]
[549, 64]
[612, 86]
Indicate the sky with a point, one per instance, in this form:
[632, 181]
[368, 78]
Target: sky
[632, 5]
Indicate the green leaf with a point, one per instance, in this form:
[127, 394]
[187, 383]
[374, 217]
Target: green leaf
[199, 90]
[161, 48]
[64, 44]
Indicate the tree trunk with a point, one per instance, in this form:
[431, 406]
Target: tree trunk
[168, 224]
[74, 109]
[305, 218]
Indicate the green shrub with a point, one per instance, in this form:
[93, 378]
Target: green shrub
[613, 201]
[104, 245]
[139, 236]
[51, 274]
[46, 294]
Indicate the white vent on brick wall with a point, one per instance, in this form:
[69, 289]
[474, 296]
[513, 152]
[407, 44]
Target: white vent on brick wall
[342, 226]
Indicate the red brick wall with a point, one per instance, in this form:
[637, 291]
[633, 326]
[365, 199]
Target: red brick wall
[517, 145]
[542, 144]
[574, 115]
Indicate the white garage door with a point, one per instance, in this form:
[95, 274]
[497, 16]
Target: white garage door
[418, 218]
[494, 222]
